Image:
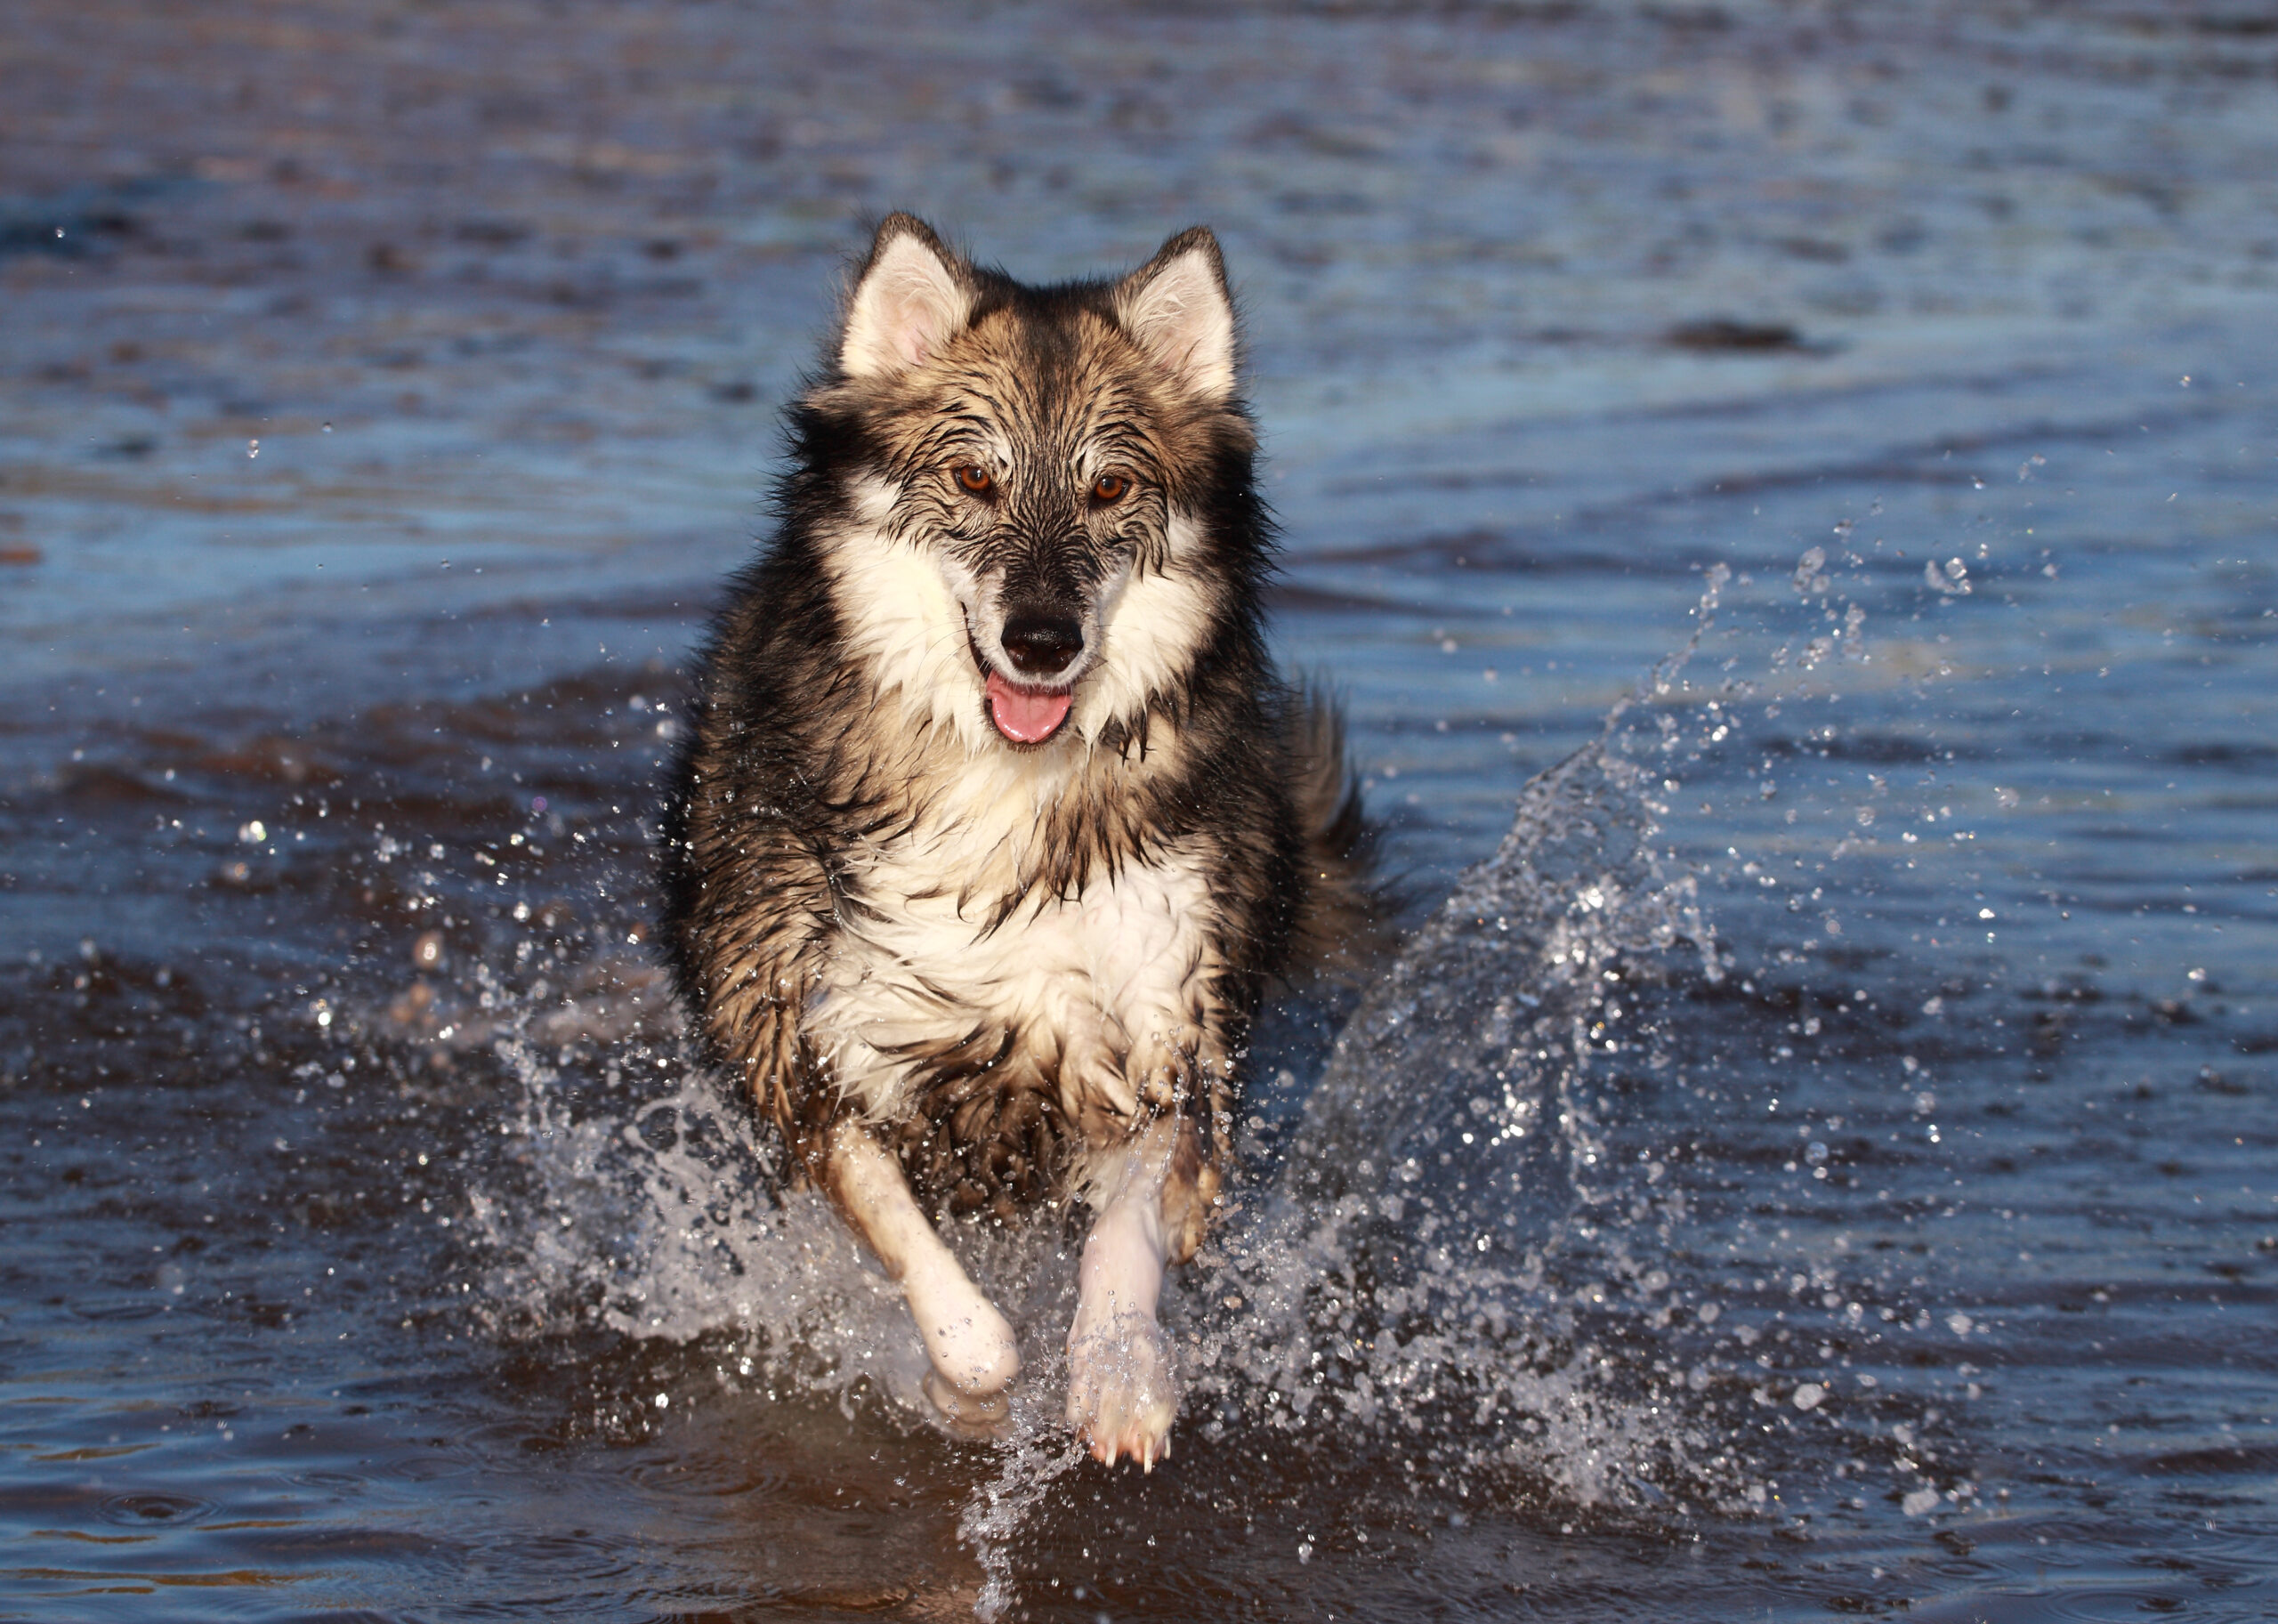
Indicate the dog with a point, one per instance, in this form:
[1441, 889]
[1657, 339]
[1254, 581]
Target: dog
[994, 818]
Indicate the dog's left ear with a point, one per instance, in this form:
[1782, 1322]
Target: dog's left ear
[1177, 307]
[909, 300]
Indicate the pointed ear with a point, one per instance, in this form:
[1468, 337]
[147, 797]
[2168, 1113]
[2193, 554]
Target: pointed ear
[908, 301]
[1177, 307]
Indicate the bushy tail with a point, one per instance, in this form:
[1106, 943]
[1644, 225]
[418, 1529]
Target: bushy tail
[1345, 923]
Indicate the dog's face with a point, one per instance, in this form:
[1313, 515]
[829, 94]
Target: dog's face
[1033, 452]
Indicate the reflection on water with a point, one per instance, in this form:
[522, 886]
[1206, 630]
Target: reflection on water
[1814, 1160]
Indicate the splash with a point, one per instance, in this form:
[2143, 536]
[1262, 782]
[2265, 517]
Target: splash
[1522, 942]
[654, 1211]
[1038, 1454]
[1399, 1274]
[1455, 1272]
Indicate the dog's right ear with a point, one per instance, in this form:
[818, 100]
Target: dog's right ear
[909, 300]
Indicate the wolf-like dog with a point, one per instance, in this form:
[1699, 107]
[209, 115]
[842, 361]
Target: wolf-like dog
[995, 817]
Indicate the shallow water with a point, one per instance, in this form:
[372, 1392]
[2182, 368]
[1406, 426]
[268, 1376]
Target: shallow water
[1787, 493]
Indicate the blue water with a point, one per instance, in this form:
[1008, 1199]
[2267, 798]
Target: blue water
[1815, 1156]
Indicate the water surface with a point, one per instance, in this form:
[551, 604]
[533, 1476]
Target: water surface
[1814, 1157]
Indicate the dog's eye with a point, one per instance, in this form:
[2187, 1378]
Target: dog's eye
[976, 479]
[1110, 488]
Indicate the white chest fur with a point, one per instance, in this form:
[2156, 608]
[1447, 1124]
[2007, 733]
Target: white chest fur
[1091, 987]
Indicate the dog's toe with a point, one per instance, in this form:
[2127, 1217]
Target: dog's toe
[1121, 1395]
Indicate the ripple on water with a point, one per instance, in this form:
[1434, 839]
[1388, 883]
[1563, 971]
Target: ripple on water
[147, 1508]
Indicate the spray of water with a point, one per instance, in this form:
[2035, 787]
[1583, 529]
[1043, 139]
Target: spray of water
[1449, 1271]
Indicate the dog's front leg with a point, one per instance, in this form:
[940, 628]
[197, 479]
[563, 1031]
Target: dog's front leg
[1120, 1394]
[968, 1342]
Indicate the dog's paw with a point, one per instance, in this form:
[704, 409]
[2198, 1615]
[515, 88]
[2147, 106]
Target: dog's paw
[1121, 1397]
[977, 1416]
[973, 1355]
[970, 1343]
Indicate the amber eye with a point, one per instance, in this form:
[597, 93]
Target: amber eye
[1110, 488]
[976, 479]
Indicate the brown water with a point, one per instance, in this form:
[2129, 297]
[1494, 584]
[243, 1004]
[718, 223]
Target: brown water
[1817, 1159]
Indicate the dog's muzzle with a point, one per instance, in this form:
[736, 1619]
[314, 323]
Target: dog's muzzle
[1043, 643]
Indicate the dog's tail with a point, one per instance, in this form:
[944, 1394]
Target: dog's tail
[1345, 923]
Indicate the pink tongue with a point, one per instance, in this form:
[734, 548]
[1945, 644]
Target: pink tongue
[1026, 715]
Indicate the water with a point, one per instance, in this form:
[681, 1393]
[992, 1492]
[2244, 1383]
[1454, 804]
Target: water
[1787, 494]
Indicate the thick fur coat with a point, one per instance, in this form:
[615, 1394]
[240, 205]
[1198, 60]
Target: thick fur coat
[995, 817]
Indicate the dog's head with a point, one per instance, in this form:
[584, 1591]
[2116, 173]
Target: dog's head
[1029, 474]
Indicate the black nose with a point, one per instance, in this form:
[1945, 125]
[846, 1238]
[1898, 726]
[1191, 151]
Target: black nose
[1042, 642]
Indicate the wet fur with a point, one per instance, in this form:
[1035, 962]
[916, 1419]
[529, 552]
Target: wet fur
[880, 911]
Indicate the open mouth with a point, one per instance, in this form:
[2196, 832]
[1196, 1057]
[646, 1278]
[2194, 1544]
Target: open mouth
[1027, 715]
